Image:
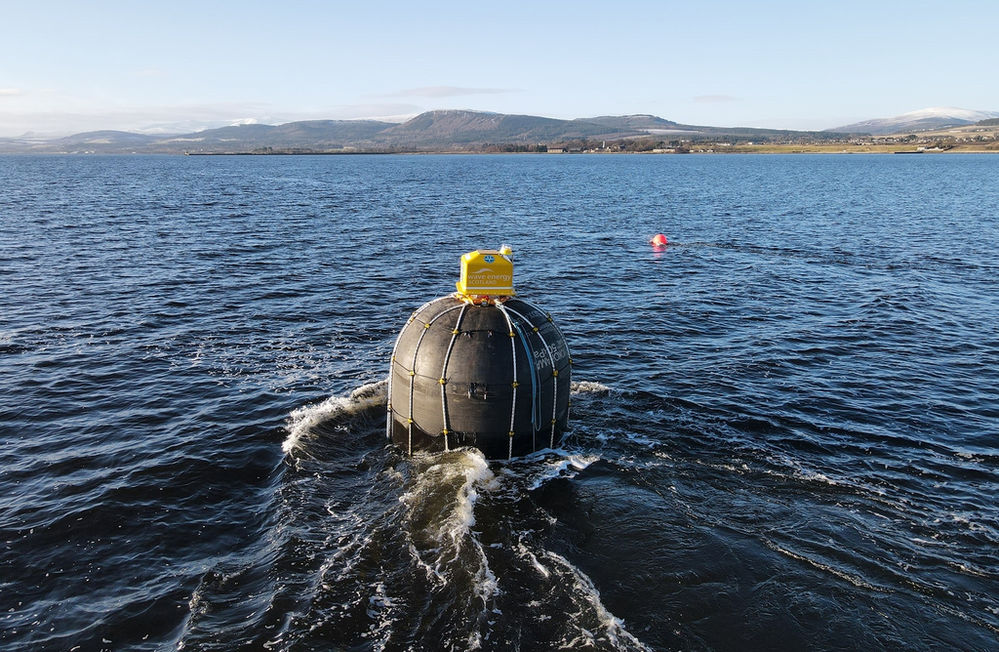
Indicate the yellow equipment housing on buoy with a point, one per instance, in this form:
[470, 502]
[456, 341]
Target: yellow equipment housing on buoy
[487, 272]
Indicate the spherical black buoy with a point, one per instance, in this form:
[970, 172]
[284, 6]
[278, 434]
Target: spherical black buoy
[493, 375]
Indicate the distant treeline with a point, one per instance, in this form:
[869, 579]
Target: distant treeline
[653, 144]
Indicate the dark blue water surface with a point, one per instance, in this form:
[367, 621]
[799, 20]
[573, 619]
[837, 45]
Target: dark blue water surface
[785, 426]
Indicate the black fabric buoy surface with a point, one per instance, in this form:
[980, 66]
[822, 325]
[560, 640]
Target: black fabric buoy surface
[494, 376]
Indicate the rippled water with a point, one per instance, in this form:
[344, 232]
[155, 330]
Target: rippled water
[785, 426]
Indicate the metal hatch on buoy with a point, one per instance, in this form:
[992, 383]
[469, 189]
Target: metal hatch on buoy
[479, 368]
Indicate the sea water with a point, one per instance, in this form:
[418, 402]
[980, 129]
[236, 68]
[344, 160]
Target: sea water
[784, 430]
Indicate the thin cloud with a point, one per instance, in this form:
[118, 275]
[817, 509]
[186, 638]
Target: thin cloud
[370, 111]
[10, 92]
[178, 119]
[715, 99]
[151, 119]
[447, 91]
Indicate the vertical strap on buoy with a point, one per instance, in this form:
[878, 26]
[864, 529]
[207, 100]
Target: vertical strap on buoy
[388, 396]
[535, 382]
[412, 372]
[513, 383]
[443, 380]
[395, 348]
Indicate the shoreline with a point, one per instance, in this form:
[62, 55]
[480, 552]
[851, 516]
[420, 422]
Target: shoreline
[765, 149]
[715, 150]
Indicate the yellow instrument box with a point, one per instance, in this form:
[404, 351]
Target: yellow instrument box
[487, 271]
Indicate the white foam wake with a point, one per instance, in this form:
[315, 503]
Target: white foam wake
[610, 628]
[440, 507]
[588, 387]
[304, 419]
[441, 501]
[566, 465]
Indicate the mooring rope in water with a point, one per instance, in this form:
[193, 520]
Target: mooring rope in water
[443, 381]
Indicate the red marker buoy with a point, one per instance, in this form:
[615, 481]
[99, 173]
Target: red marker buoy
[659, 240]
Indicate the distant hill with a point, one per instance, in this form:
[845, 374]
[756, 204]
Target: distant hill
[104, 141]
[443, 130]
[110, 142]
[921, 120]
[311, 134]
[640, 122]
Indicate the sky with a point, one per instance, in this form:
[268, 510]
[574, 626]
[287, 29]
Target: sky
[180, 66]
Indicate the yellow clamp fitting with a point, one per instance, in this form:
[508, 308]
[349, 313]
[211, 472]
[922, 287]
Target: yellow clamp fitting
[412, 373]
[409, 421]
[511, 433]
[446, 432]
[535, 329]
[515, 384]
[456, 332]
[427, 325]
[553, 422]
[512, 335]
[555, 373]
[443, 381]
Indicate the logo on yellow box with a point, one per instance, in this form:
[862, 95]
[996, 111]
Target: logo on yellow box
[486, 272]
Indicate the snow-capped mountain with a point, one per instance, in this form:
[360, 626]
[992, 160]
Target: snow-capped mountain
[937, 117]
